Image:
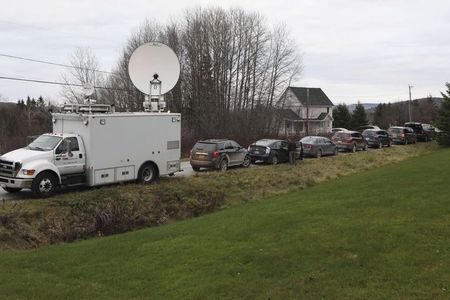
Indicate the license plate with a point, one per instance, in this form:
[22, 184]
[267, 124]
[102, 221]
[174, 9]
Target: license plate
[201, 156]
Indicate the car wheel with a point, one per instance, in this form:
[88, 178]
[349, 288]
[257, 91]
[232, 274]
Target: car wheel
[12, 190]
[147, 173]
[44, 185]
[274, 160]
[223, 165]
[196, 169]
[319, 153]
[246, 162]
[353, 148]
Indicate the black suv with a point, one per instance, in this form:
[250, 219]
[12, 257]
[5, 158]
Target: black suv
[269, 151]
[424, 132]
[218, 154]
[377, 138]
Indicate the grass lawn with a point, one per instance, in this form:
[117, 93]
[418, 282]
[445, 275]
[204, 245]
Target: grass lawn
[383, 233]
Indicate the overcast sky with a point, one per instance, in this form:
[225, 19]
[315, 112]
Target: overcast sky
[355, 50]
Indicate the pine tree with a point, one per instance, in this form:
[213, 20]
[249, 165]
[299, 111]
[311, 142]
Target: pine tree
[442, 121]
[359, 117]
[341, 116]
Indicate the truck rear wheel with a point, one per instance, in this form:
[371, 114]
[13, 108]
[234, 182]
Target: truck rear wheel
[147, 173]
[44, 185]
[12, 190]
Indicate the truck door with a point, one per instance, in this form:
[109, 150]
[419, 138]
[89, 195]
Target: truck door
[69, 156]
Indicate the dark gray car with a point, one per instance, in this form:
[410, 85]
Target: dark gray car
[402, 135]
[377, 138]
[218, 154]
[316, 146]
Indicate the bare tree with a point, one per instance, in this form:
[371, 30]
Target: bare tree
[84, 70]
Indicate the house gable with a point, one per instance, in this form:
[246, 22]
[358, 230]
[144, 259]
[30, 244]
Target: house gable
[297, 96]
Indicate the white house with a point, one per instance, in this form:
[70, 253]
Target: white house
[300, 107]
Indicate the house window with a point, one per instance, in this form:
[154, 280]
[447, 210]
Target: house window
[328, 110]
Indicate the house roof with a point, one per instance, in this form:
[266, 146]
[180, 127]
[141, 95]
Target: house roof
[316, 96]
[287, 113]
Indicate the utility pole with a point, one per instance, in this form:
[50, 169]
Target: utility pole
[307, 111]
[410, 106]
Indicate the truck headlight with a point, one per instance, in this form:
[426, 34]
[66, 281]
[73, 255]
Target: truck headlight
[28, 172]
[267, 150]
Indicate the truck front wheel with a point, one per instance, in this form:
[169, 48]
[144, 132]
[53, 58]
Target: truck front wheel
[147, 173]
[44, 185]
[12, 190]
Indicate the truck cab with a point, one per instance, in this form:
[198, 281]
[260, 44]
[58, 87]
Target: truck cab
[47, 162]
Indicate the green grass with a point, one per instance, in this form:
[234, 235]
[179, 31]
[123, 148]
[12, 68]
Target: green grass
[382, 233]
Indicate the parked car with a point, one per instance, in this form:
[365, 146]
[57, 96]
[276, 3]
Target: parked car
[218, 154]
[317, 146]
[350, 141]
[334, 130]
[269, 151]
[362, 128]
[424, 132]
[402, 135]
[377, 138]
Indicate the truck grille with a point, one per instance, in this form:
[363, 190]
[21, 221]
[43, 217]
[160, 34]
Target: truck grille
[6, 168]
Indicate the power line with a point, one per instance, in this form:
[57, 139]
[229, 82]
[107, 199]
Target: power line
[59, 83]
[53, 63]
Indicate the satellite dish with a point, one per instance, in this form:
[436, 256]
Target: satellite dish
[152, 59]
[88, 89]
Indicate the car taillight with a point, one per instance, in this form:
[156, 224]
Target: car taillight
[216, 154]
[402, 135]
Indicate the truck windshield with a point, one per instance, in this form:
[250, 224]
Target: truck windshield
[44, 143]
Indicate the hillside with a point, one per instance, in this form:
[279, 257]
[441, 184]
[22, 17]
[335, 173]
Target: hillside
[378, 234]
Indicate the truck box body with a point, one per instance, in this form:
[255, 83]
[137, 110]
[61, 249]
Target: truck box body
[118, 144]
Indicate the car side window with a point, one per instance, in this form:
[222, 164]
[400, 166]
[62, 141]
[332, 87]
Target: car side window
[228, 145]
[275, 145]
[235, 145]
[355, 135]
[284, 145]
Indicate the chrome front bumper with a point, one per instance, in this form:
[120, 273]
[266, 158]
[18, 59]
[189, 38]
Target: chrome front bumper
[15, 182]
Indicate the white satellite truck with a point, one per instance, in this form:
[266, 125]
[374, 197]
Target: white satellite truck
[93, 145]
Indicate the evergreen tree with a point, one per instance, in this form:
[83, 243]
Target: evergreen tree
[443, 119]
[342, 117]
[359, 117]
[40, 102]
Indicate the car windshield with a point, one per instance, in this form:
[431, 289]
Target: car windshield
[395, 130]
[341, 135]
[44, 143]
[205, 146]
[309, 140]
[369, 133]
[264, 142]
